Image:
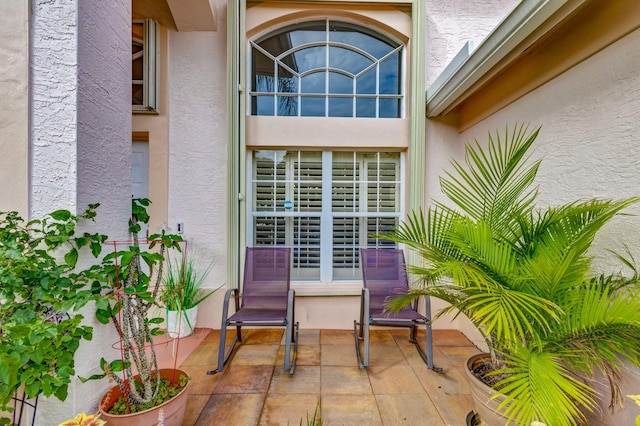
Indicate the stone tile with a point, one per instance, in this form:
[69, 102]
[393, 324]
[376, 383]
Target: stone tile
[262, 336]
[449, 338]
[307, 355]
[452, 408]
[451, 381]
[415, 410]
[394, 379]
[203, 355]
[242, 409]
[385, 355]
[195, 405]
[263, 354]
[337, 337]
[459, 354]
[213, 338]
[245, 379]
[305, 380]
[342, 355]
[344, 380]
[382, 337]
[306, 336]
[349, 410]
[289, 409]
[201, 382]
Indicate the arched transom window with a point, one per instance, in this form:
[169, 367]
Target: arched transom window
[326, 68]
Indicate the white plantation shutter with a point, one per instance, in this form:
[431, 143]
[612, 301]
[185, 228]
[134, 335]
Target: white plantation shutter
[364, 200]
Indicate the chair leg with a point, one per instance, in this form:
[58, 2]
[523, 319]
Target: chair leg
[356, 328]
[291, 365]
[222, 358]
[427, 353]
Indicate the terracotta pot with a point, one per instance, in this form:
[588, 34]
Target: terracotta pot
[486, 409]
[173, 410]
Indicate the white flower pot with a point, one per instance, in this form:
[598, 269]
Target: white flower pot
[181, 323]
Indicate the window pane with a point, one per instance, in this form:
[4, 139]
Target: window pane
[380, 225]
[365, 107]
[262, 71]
[340, 83]
[345, 188]
[314, 83]
[347, 60]
[287, 105]
[306, 249]
[340, 107]
[389, 75]
[389, 108]
[354, 36]
[346, 245]
[287, 82]
[366, 83]
[307, 59]
[312, 106]
[293, 36]
[269, 231]
[262, 105]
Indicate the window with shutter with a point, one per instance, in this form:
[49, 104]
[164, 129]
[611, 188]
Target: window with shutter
[325, 205]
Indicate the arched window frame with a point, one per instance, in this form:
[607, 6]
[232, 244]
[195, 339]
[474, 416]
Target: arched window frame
[272, 102]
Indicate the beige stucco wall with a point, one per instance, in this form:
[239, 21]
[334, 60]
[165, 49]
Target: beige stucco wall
[14, 108]
[157, 125]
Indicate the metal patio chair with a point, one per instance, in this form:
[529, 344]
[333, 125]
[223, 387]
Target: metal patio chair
[267, 300]
[384, 275]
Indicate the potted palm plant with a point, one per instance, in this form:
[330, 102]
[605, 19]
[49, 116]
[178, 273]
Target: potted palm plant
[181, 294]
[130, 288]
[524, 277]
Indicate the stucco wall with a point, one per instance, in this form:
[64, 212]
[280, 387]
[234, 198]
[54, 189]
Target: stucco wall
[14, 108]
[198, 152]
[54, 106]
[81, 142]
[451, 23]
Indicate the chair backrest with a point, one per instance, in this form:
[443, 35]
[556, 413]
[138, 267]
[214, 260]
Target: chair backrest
[266, 277]
[384, 273]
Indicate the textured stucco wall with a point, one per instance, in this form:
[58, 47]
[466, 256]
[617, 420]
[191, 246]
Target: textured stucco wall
[14, 108]
[198, 151]
[54, 109]
[81, 142]
[451, 23]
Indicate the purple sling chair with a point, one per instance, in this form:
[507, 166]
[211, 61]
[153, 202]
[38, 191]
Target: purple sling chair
[267, 301]
[384, 275]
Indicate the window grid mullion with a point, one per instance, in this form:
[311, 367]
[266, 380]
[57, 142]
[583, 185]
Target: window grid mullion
[326, 220]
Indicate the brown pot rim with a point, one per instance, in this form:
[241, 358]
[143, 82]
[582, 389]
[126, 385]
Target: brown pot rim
[116, 389]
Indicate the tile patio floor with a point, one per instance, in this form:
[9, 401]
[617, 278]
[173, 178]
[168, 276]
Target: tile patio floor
[397, 389]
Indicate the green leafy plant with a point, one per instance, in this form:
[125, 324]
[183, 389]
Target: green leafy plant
[41, 291]
[166, 391]
[523, 275]
[129, 288]
[181, 287]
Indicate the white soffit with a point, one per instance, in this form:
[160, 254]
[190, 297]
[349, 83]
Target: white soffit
[469, 65]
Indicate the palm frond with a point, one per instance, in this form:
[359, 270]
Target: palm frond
[496, 181]
[539, 388]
